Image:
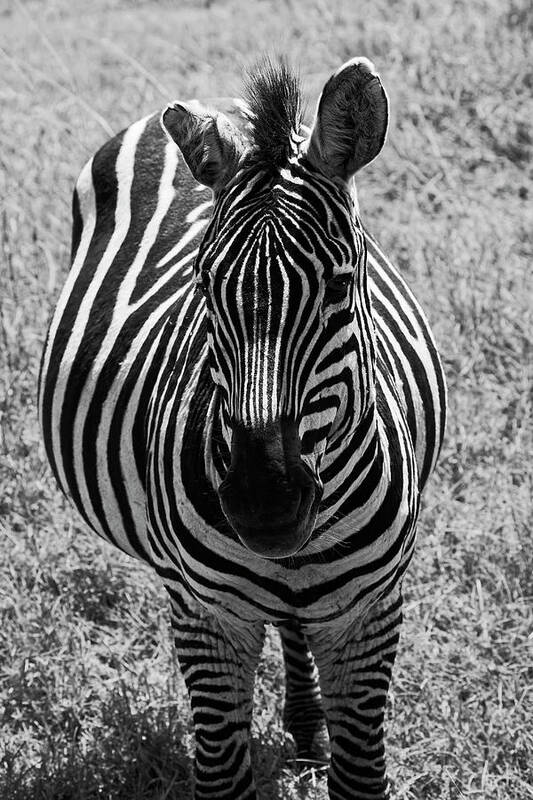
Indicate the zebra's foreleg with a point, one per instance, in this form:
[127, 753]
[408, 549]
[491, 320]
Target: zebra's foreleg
[218, 665]
[304, 714]
[355, 673]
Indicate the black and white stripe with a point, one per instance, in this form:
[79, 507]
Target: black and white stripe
[185, 319]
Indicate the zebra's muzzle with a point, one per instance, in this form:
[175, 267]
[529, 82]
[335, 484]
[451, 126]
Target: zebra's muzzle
[269, 496]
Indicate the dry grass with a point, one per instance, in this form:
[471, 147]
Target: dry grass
[91, 704]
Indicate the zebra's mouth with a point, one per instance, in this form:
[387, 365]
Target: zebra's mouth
[279, 542]
[277, 539]
[269, 495]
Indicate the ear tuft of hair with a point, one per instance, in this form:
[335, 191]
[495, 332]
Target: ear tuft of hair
[273, 95]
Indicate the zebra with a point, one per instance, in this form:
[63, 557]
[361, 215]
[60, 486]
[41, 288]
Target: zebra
[238, 388]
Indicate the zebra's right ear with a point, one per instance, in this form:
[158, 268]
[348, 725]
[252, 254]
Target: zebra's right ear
[211, 145]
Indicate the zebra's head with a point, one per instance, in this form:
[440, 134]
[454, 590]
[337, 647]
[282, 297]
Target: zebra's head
[282, 267]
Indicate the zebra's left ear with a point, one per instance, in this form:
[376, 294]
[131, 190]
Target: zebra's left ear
[351, 120]
[211, 145]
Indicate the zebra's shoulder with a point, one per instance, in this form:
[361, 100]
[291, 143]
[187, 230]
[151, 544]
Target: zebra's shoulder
[97, 185]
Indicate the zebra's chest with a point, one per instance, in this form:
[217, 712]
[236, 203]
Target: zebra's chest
[231, 583]
[196, 553]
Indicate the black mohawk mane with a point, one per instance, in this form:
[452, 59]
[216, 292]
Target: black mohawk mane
[272, 92]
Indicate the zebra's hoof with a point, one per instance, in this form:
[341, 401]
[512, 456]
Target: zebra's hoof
[311, 746]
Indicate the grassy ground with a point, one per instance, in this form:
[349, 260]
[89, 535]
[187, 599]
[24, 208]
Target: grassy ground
[91, 703]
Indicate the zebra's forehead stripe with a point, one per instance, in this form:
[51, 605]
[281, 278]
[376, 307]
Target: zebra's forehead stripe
[281, 235]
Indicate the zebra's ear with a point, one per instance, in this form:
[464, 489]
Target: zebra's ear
[211, 145]
[351, 120]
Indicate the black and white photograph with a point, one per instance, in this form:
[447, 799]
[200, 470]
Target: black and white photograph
[266, 400]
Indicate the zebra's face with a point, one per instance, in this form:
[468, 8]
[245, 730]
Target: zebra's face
[282, 272]
[290, 332]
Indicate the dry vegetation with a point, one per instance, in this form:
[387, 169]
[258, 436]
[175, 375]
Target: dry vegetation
[91, 704]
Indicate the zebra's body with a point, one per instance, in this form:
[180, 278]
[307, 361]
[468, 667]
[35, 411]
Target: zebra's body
[137, 438]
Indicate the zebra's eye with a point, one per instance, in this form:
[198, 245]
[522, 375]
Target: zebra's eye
[337, 288]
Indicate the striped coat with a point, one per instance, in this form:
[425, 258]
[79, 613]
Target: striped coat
[139, 421]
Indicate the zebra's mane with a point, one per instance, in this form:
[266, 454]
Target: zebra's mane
[273, 95]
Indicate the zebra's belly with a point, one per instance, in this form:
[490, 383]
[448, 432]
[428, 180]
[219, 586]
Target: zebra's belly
[96, 391]
[91, 447]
